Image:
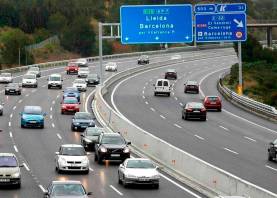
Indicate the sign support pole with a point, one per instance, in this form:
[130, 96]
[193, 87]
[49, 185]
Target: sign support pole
[100, 54]
[240, 87]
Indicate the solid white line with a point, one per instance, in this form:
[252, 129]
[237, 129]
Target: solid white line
[224, 128]
[231, 151]
[178, 126]
[59, 136]
[87, 99]
[26, 167]
[152, 109]
[42, 188]
[20, 101]
[53, 125]
[51, 116]
[175, 98]
[271, 168]
[146, 102]
[250, 139]
[15, 148]
[117, 191]
[199, 137]
[162, 116]
[11, 135]
[10, 124]
[11, 115]
[143, 97]
[14, 107]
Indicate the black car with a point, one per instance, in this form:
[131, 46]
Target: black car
[170, 74]
[81, 121]
[194, 110]
[272, 151]
[13, 88]
[144, 59]
[111, 146]
[92, 79]
[191, 86]
[90, 137]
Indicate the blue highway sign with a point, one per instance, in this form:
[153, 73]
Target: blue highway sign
[233, 7]
[220, 27]
[156, 24]
[204, 8]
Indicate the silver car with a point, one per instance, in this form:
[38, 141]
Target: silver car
[72, 157]
[6, 78]
[138, 171]
[63, 189]
[1, 108]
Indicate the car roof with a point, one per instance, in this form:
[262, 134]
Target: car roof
[82, 112]
[192, 82]
[8, 154]
[112, 134]
[162, 79]
[29, 73]
[212, 96]
[58, 75]
[66, 182]
[143, 159]
[71, 145]
[32, 108]
[171, 70]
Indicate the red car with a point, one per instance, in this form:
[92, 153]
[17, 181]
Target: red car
[70, 104]
[213, 102]
[72, 68]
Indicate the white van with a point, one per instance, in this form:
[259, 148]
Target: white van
[29, 80]
[55, 81]
[162, 86]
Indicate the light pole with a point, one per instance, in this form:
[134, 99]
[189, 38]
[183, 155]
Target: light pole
[165, 45]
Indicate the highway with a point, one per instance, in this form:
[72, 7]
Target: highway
[35, 148]
[233, 140]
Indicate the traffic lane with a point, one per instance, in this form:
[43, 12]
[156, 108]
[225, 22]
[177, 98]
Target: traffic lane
[124, 100]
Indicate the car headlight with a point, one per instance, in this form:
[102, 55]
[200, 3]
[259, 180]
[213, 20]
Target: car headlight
[126, 150]
[85, 161]
[16, 174]
[7, 89]
[88, 140]
[131, 176]
[62, 161]
[76, 123]
[103, 149]
[155, 177]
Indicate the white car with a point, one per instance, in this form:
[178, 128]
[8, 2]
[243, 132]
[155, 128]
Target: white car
[138, 171]
[83, 72]
[80, 84]
[34, 70]
[6, 78]
[82, 62]
[72, 157]
[162, 86]
[55, 81]
[176, 57]
[29, 80]
[1, 108]
[111, 66]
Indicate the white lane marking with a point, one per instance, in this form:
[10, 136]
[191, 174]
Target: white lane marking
[173, 93]
[143, 97]
[91, 169]
[10, 124]
[146, 102]
[181, 104]
[58, 96]
[152, 109]
[33, 90]
[162, 117]
[53, 102]
[20, 101]
[224, 128]
[175, 98]
[178, 126]
[51, 109]
[117, 191]
[146, 83]
[15, 148]
[143, 92]
[231, 151]
[11, 135]
[199, 137]
[14, 107]
[271, 168]
[26, 167]
[51, 116]
[250, 139]
[150, 80]
[27, 95]
[43, 85]
[59, 136]
[42, 188]
[53, 125]
[11, 115]
[143, 87]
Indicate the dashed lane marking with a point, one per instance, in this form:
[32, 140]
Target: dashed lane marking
[26, 167]
[162, 117]
[271, 168]
[42, 188]
[51, 109]
[143, 97]
[178, 126]
[15, 148]
[11, 135]
[11, 115]
[53, 102]
[181, 104]
[14, 107]
[53, 125]
[152, 109]
[91, 169]
[199, 137]
[248, 138]
[51, 117]
[20, 101]
[231, 151]
[59, 136]
[175, 98]
[10, 124]
[117, 191]
[224, 128]
[146, 102]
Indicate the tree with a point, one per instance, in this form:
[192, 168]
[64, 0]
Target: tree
[57, 23]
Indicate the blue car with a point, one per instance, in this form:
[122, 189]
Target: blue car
[32, 116]
[71, 92]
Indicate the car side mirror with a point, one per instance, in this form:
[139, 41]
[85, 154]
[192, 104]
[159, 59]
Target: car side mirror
[21, 165]
[129, 143]
[57, 153]
[82, 135]
[89, 193]
[271, 144]
[121, 166]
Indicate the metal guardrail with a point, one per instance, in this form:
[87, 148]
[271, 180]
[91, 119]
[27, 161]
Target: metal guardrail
[248, 103]
[51, 40]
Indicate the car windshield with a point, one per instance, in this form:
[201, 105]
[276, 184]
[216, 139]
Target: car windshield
[213, 98]
[70, 101]
[93, 76]
[171, 70]
[196, 105]
[117, 140]
[83, 69]
[191, 83]
[139, 164]
[73, 151]
[83, 116]
[68, 190]
[34, 69]
[72, 64]
[94, 131]
[55, 78]
[8, 161]
[6, 75]
[28, 76]
[12, 85]
[33, 110]
[80, 81]
[111, 63]
[71, 89]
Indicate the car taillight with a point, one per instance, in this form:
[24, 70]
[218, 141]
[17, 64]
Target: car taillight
[189, 110]
[203, 110]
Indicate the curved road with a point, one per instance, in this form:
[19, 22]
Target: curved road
[233, 140]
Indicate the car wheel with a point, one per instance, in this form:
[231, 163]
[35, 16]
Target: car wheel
[168, 94]
[22, 126]
[183, 117]
[95, 157]
[270, 158]
[62, 112]
[36, 86]
[61, 87]
[49, 86]
[204, 119]
[100, 160]
[1, 113]
[19, 93]
[6, 93]
[72, 128]
[42, 126]
[156, 186]
[125, 185]
[119, 180]
[219, 110]
[155, 94]
[86, 171]
[18, 185]
[186, 117]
